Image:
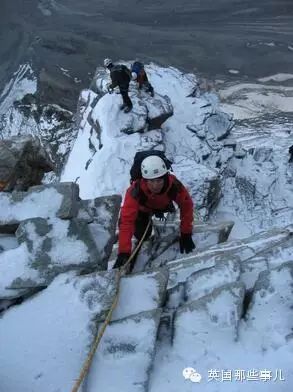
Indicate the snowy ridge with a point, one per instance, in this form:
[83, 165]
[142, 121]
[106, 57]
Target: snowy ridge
[22, 82]
[226, 307]
[22, 113]
[253, 100]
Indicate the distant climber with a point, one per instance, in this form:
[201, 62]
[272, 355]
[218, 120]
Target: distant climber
[139, 75]
[154, 193]
[120, 77]
[290, 154]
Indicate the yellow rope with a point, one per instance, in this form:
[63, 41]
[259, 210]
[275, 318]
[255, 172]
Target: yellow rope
[88, 361]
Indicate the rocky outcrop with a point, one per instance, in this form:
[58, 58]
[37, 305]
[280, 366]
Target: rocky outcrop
[23, 162]
[61, 200]
[212, 125]
[201, 301]
[204, 309]
[252, 181]
[25, 112]
[272, 300]
[131, 335]
[55, 232]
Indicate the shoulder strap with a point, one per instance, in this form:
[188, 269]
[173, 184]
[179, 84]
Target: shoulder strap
[174, 189]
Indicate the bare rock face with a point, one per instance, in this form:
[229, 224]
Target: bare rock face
[23, 162]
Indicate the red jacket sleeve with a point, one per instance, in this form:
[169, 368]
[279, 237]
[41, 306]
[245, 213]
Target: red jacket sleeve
[127, 219]
[185, 204]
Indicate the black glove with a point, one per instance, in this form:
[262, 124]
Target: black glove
[121, 260]
[186, 243]
[160, 215]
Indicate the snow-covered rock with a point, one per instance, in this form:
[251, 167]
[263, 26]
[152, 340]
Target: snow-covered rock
[149, 288]
[204, 282]
[60, 200]
[23, 162]
[126, 354]
[257, 186]
[83, 301]
[101, 137]
[51, 238]
[272, 300]
[61, 335]
[211, 309]
[24, 111]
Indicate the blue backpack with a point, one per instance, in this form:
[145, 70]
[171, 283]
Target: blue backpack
[137, 67]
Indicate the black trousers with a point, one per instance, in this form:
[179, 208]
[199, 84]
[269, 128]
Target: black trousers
[125, 97]
[141, 223]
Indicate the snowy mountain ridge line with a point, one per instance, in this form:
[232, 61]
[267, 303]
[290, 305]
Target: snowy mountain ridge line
[22, 82]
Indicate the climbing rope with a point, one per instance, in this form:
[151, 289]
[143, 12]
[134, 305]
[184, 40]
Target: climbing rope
[121, 272]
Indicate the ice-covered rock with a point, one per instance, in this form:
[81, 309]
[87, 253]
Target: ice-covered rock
[141, 293]
[61, 335]
[272, 300]
[204, 282]
[101, 214]
[43, 201]
[251, 269]
[23, 163]
[48, 245]
[204, 309]
[101, 141]
[251, 185]
[25, 110]
[58, 246]
[212, 125]
[211, 321]
[126, 354]
[203, 184]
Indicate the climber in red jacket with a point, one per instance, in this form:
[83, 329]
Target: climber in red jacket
[153, 194]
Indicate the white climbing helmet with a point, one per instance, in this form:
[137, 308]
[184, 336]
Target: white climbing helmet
[153, 167]
[134, 75]
[107, 62]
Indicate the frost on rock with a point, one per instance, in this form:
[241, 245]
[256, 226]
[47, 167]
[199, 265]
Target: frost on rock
[252, 185]
[272, 300]
[101, 215]
[41, 201]
[23, 163]
[61, 323]
[54, 236]
[25, 111]
[210, 322]
[102, 145]
[204, 282]
[126, 354]
[226, 305]
[149, 287]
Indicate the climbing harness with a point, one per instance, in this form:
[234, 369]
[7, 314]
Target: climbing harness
[121, 272]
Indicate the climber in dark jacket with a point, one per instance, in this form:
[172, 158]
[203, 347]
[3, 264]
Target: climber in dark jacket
[153, 194]
[290, 154]
[120, 77]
